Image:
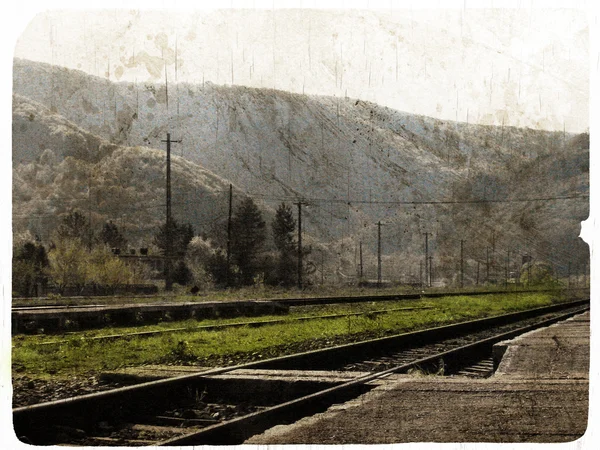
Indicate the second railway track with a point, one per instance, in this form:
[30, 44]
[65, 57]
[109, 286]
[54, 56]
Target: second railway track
[76, 315]
[204, 408]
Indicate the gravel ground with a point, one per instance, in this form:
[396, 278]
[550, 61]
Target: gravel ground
[29, 391]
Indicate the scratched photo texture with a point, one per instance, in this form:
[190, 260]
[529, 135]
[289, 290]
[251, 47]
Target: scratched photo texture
[173, 156]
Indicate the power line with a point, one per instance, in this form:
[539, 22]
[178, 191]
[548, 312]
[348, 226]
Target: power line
[421, 202]
[360, 202]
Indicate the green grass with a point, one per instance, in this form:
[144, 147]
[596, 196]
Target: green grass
[191, 324]
[78, 356]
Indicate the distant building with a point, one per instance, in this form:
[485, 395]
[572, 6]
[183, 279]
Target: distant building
[155, 262]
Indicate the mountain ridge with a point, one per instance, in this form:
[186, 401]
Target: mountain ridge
[363, 161]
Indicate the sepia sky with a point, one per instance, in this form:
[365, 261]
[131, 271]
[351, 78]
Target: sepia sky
[524, 66]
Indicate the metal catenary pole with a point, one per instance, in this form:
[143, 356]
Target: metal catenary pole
[299, 245]
[462, 267]
[227, 280]
[379, 254]
[169, 220]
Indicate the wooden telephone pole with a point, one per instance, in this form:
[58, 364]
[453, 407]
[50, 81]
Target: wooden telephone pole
[299, 204]
[169, 220]
[227, 280]
[427, 259]
[462, 264]
[360, 274]
[379, 254]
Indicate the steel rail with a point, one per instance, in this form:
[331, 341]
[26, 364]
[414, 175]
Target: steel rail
[236, 431]
[299, 301]
[121, 402]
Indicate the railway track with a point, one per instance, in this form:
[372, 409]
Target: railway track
[79, 302]
[251, 323]
[218, 407]
[50, 319]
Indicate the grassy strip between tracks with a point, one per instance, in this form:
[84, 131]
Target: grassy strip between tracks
[234, 345]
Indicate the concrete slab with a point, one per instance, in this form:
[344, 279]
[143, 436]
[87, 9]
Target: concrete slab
[292, 375]
[149, 373]
[155, 372]
[540, 400]
[558, 351]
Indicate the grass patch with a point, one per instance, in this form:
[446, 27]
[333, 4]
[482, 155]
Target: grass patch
[191, 324]
[228, 346]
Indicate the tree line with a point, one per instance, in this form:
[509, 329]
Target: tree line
[76, 256]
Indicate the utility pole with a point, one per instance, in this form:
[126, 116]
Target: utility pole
[229, 235]
[90, 211]
[169, 231]
[487, 264]
[427, 278]
[379, 254]
[506, 269]
[421, 273]
[462, 266]
[430, 271]
[477, 282]
[361, 259]
[322, 268]
[299, 245]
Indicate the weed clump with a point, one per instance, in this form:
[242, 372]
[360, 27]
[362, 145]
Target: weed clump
[181, 353]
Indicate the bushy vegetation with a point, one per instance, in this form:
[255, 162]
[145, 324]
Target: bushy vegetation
[75, 258]
[72, 264]
[29, 267]
[79, 257]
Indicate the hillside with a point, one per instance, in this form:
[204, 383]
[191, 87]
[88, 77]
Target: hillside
[74, 169]
[355, 163]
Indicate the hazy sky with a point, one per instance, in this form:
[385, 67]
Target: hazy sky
[525, 67]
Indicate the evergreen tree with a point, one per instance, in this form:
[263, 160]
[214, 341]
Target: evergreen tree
[75, 226]
[181, 235]
[28, 268]
[181, 273]
[283, 226]
[216, 266]
[248, 237]
[111, 236]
